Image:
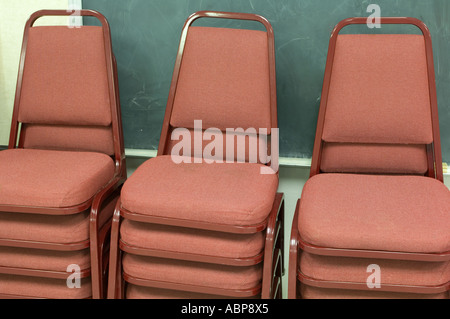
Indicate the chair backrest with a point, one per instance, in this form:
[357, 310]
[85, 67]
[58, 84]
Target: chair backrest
[67, 95]
[378, 110]
[224, 78]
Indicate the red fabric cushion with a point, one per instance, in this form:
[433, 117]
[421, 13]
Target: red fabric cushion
[139, 292]
[393, 272]
[308, 292]
[374, 158]
[224, 80]
[54, 229]
[65, 79]
[69, 138]
[235, 193]
[393, 213]
[43, 259]
[34, 227]
[194, 241]
[34, 287]
[52, 178]
[193, 273]
[379, 91]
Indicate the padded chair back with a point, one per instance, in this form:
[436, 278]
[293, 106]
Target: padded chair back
[67, 89]
[225, 78]
[376, 113]
[65, 95]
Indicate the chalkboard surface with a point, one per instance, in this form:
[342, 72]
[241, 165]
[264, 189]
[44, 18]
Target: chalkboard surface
[146, 35]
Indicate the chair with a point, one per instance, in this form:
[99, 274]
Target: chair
[188, 226]
[373, 220]
[64, 167]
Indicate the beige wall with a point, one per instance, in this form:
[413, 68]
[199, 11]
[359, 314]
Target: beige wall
[13, 15]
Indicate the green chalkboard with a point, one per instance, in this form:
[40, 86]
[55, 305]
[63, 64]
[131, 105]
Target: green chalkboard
[146, 35]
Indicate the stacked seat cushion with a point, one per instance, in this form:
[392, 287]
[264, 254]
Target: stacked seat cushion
[223, 193]
[44, 178]
[308, 292]
[191, 241]
[140, 292]
[193, 273]
[392, 271]
[45, 288]
[391, 213]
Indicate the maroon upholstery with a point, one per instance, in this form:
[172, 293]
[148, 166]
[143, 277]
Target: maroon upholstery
[379, 91]
[391, 213]
[60, 85]
[308, 292]
[193, 273]
[52, 178]
[378, 117]
[193, 241]
[65, 88]
[69, 138]
[48, 288]
[44, 259]
[374, 158]
[393, 272]
[140, 292]
[231, 194]
[224, 80]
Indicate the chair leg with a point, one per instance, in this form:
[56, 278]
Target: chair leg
[273, 233]
[120, 282]
[293, 257]
[103, 257]
[105, 265]
[114, 276]
[280, 269]
[95, 263]
[98, 238]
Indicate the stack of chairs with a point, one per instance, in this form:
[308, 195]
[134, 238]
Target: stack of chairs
[373, 221]
[61, 176]
[187, 225]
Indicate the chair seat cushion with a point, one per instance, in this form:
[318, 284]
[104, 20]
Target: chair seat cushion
[192, 241]
[193, 273]
[35, 287]
[376, 212]
[45, 178]
[140, 292]
[61, 229]
[222, 193]
[308, 292]
[43, 259]
[45, 228]
[393, 272]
